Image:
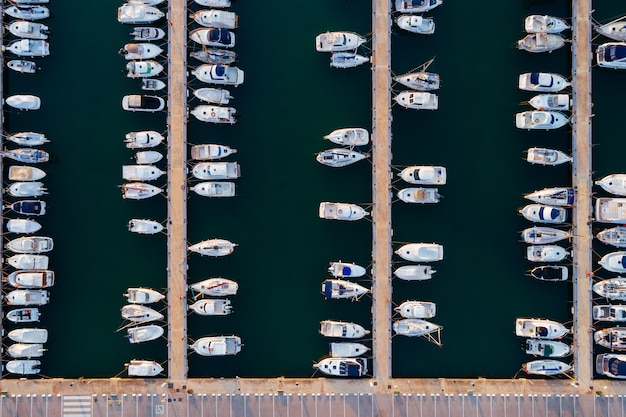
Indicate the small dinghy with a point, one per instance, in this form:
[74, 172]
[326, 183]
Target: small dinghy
[546, 367]
[141, 172]
[211, 307]
[541, 213]
[139, 190]
[550, 273]
[546, 348]
[28, 261]
[346, 349]
[216, 170]
[143, 139]
[132, 51]
[421, 252]
[542, 82]
[345, 270]
[341, 211]
[214, 56]
[221, 38]
[25, 173]
[214, 247]
[419, 195]
[424, 175]
[27, 155]
[414, 272]
[210, 152]
[555, 196]
[415, 327]
[349, 136]
[614, 184]
[27, 189]
[144, 227]
[23, 226]
[27, 297]
[29, 207]
[539, 235]
[559, 102]
[31, 279]
[539, 329]
[341, 329]
[28, 138]
[24, 315]
[609, 312]
[143, 295]
[217, 345]
[28, 30]
[416, 24]
[215, 287]
[216, 19]
[134, 14]
[23, 367]
[544, 156]
[148, 84]
[147, 157]
[142, 103]
[140, 69]
[338, 289]
[215, 114]
[544, 24]
[417, 100]
[214, 189]
[24, 102]
[144, 333]
[213, 95]
[143, 368]
[26, 350]
[30, 244]
[28, 13]
[342, 367]
[23, 66]
[340, 157]
[28, 335]
[545, 253]
[614, 261]
[139, 313]
[144, 33]
[615, 236]
[347, 60]
[219, 74]
[28, 47]
[541, 42]
[417, 309]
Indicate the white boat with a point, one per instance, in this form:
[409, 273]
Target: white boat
[414, 272]
[340, 157]
[219, 74]
[27, 297]
[216, 170]
[546, 367]
[213, 95]
[139, 190]
[27, 189]
[416, 24]
[24, 102]
[139, 313]
[146, 2]
[559, 102]
[215, 114]
[23, 367]
[542, 81]
[147, 157]
[215, 287]
[420, 80]
[417, 309]
[611, 55]
[550, 273]
[214, 189]
[613, 338]
[544, 24]
[342, 367]
[143, 295]
[541, 235]
[546, 348]
[554, 196]
[611, 365]
[607, 312]
[615, 29]
[214, 56]
[415, 327]
[30, 244]
[28, 335]
[342, 329]
[216, 19]
[416, 6]
[614, 261]
[424, 175]
[28, 261]
[211, 307]
[545, 253]
[23, 226]
[347, 60]
[541, 213]
[539, 329]
[541, 42]
[213, 247]
[23, 66]
[538, 119]
[217, 345]
[615, 236]
[143, 139]
[27, 155]
[23, 315]
[25, 173]
[341, 211]
[338, 288]
[26, 350]
[613, 288]
[545, 156]
[346, 349]
[144, 226]
[28, 30]
[222, 38]
[417, 100]
[23, 3]
[28, 13]
[31, 279]
[214, 3]
[614, 184]
[147, 33]
[28, 47]
[143, 368]
[419, 195]
[421, 252]
[338, 41]
[611, 210]
[29, 207]
[345, 270]
[28, 138]
[210, 152]
[132, 51]
[130, 13]
[141, 172]
[143, 103]
[140, 69]
[349, 136]
[144, 333]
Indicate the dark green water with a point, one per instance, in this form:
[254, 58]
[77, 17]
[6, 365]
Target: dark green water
[290, 99]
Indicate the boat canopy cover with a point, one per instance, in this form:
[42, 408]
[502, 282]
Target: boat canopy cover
[552, 213]
[548, 350]
[350, 369]
[615, 53]
[28, 206]
[219, 35]
[622, 262]
[346, 271]
[617, 367]
[542, 331]
[220, 70]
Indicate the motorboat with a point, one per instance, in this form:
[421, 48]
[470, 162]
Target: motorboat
[23, 315]
[222, 38]
[219, 74]
[541, 42]
[214, 247]
[214, 3]
[555, 196]
[550, 273]
[611, 210]
[140, 51]
[27, 297]
[607, 312]
[416, 24]
[345, 270]
[28, 30]
[215, 114]
[545, 156]
[147, 157]
[615, 29]
[416, 6]
[213, 95]
[23, 226]
[338, 41]
[28, 13]
[414, 272]
[28, 138]
[546, 367]
[131, 13]
[29, 207]
[215, 287]
[23, 366]
[615, 236]
[26, 350]
[211, 307]
[22, 3]
[343, 367]
[217, 345]
[25, 173]
[611, 365]
[417, 100]
[211, 152]
[144, 226]
[613, 288]
[27, 155]
[146, 2]
[26, 189]
[220, 19]
[614, 261]
[544, 24]
[140, 69]
[558, 102]
[216, 170]
[139, 313]
[31, 279]
[539, 329]
[541, 213]
[424, 175]
[28, 261]
[138, 102]
[143, 139]
[147, 33]
[415, 327]
[546, 348]
[139, 190]
[30, 244]
[542, 81]
[143, 295]
[24, 102]
[28, 335]
[214, 56]
[539, 235]
[143, 368]
[28, 47]
[340, 157]
[417, 309]
[342, 329]
[613, 338]
[144, 333]
[611, 55]
[545, 253]
[346, 349]
[347, 60]
[148, 84]
[613, 183]
[23, 66]
[539, 119]
[141, 172]
[341, 211]
[419, 195]
[339, 288]
[214, 189]
[421, 252]
[349, 136]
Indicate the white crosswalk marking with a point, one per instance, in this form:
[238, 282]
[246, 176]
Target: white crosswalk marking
[77, 405]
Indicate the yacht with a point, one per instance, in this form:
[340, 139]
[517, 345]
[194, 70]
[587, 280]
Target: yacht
[417, 100]
[615, 29]
[346, 349]
[216, 19]
[143, 295]
[31, 279]
[214, 3]
[28, 138]
[27, 155]
[144, 333]
[26, 350]
[147, 157]
[28, 335]
[219, 74]
[550, 273]
[28, 261]
[142, 103]
[134, 14]
[213, 247]
[338, 41]
[417, 309]
[607, 312]
[213, 95]
[144, 226]
[541, 213]
[419, 195]
[555, 196]
[341, 211]
[546, 367]
[613, 288]
[546, 348]
[539, 235]
[340, 157]
[420, 80]
[614, 261]
[541, 42]
[349, 136]
[23, 66]
[211, 152]
[539, 329]
[23, 366]
[416, 24]
[141, 172]
[424, 175]
[341, 329]
[611, 210]
[23, 226]
[147, 33]
[613, 338]
[143, 368]
[338, 288]
[545, 253]
[211, 307]
[24, 102]
[143, 139]
[414, 272]
[141, 69]
[133, 51]
[416, 6]
[23, 315]
[558, 102]
[216, 170]
[28, 47]
[345, 367]
[28, 12]
[139, 313]
[615, 236]
[347, 60]
[215, 114]
[544, 24]
[214, 56]
[214, 189]
[27, 297]
[28, 30]
[611, 365]
[538, 119]
[139, 190]
[222, 38]
[30, 244]
[25, 173]
[215, 287]
[614, 184]
[542, 81]
[545, 156]
[415, 327]
[29, 207]
[421, 252]
[26, 189]
[217, 345]
[611, 55]
[345, 270]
